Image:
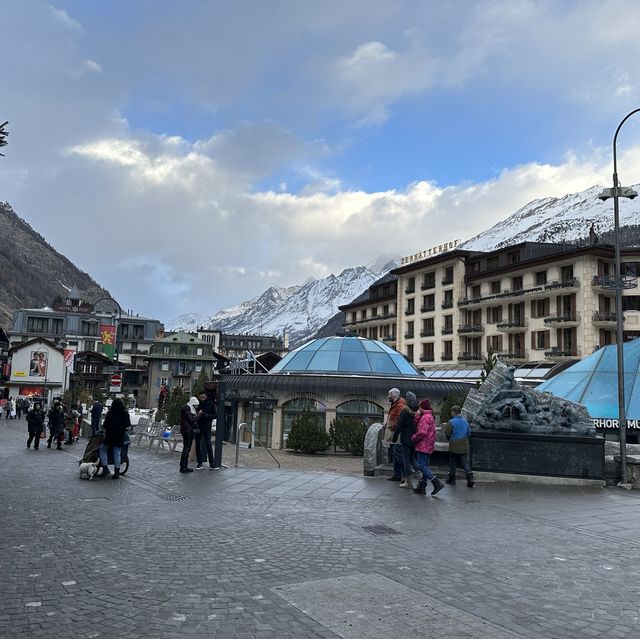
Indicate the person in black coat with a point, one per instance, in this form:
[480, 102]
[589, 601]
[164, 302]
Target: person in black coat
[405, 428]
[56, 424]
[205, 415]
[115, 426]
[35, 425]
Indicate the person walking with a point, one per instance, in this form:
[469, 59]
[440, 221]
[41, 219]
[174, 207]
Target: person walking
[424, 440]
[116, 424]
[20, 407]
[206, 414]
[405, 428]
[458, 433]
[8, 409]
[35, 424]
[189, 430]
[394, 450]
[70, 421]
[56, 424]
[96, 414]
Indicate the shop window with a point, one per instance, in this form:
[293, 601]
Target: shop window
[368, 412]
[294, 408]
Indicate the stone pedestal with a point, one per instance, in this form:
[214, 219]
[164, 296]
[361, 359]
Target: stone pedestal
[533, 454]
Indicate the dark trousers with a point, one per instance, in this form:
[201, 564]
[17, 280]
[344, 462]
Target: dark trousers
[58, 438]
[408, 460]
[207, 448]
[455, 460]
[396, 453]
[95, 425]
[187, 442]
[36, 437]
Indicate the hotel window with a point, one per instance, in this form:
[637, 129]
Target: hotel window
[427, 327]
[447, 350]
[566, 273]
[411, 285]
[513, 257]
[540, 308]
[495, 286]
[199, 350]
[37, 325]
[164, 366]
[138, 331]
[448, 276]
[164, 381]
[410, 330]
[385, 310]
[429, 280]
[427, 352]
[198, 367]
[516, 283]
[476, 292]
[492, 263]
[448, 324]
[428, 303]
[541, 278]
[411, 306]
[540, 340]
[494, 342]
[410, 352]
[57, 326]
[494, 314]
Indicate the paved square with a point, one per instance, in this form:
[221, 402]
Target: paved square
[246, 553]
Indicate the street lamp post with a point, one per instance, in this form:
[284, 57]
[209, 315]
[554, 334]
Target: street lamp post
[616, 193]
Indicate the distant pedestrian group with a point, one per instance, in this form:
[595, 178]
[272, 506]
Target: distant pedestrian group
[410, 437]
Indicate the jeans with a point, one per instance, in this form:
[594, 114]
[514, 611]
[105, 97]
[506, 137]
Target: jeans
[104, 455]
[206, 447]
[422, 462]
[455, 460]
[396, 453]
[408, 459]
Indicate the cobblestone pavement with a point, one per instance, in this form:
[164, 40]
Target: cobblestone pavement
[250, 553]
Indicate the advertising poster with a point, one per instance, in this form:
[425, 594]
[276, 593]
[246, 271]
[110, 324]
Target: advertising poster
[38, 366]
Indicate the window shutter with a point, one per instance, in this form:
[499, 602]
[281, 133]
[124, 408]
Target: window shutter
[547, 339]
[533, 340]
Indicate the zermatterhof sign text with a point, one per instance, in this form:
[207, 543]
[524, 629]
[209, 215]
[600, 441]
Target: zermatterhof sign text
[434, 250]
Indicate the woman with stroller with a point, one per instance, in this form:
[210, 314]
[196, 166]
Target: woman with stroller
[115, 426]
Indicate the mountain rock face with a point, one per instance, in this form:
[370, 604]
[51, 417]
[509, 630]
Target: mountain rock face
[565, 219]
[32, 272]
[297, 311]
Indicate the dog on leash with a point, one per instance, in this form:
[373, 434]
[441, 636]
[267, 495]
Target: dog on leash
[88, 470]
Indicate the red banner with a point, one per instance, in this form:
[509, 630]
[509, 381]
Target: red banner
[69, 358]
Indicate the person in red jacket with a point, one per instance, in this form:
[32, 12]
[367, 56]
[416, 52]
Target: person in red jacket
[424, 440]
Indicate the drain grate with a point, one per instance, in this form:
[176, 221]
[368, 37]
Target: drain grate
[379, 529]
[173, 497]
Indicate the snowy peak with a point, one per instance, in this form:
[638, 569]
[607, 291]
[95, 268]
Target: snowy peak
[299, 311]
[564, 219]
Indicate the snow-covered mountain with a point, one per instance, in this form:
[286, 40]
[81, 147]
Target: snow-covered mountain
[299, 311]
[556, 220]
[302, 310]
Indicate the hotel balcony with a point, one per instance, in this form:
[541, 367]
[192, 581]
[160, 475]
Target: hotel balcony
[534, 292]
[571, 283]
[409, 335]
[430, 333]
[513, 326]
[428, 309]
[470, 357]
[563, 352]
[602, 318]
[446, 357]
[513, 355]
[447, 330]
[447, 304]
[607, 283]
[470, 329]
[566, 320]
[427, 358]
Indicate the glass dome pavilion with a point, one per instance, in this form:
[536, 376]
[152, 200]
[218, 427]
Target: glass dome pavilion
[349, 355]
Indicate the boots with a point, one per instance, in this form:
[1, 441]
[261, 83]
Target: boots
[470, 481]
[116, 472]
[420, 490]
[437, 486]
[105, 471]
[451, 480]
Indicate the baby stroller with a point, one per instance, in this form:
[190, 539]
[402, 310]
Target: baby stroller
[91, 454]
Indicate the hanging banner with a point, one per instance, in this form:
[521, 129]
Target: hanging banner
[108, 339]
[69, 359]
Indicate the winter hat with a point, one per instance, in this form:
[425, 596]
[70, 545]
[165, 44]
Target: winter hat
[394, 393]
[412, 400]
[193, 402]
[425, 404]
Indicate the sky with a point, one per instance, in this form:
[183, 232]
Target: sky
[189, 155]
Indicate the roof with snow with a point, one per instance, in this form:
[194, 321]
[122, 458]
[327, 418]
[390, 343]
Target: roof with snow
[348, 355]
[593, 382]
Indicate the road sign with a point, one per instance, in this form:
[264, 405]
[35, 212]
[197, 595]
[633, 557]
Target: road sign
[115, 383]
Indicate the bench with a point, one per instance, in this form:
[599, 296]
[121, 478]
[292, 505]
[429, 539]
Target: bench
[154, 432]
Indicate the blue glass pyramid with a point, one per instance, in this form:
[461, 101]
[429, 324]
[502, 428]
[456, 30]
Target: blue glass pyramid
[593, 382]
[346, 355]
